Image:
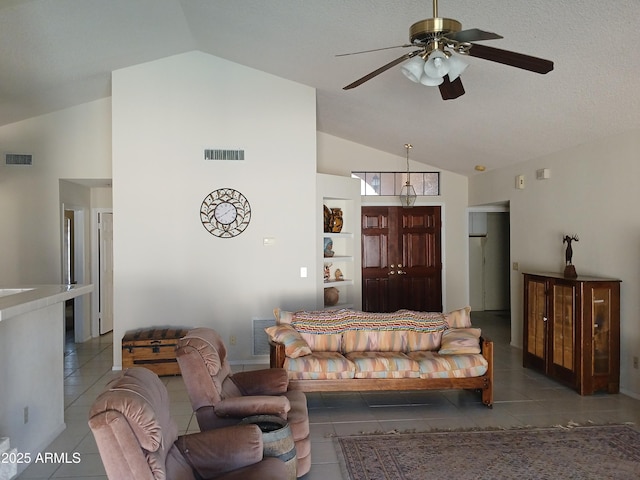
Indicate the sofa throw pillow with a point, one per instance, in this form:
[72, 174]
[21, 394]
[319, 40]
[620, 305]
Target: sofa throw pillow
[460, 318]
[282, 316]
[460, 340]
[294, 345]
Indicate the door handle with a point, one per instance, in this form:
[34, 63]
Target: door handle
[399, 272]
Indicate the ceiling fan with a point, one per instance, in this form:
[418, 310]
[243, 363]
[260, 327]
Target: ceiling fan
[434, 62]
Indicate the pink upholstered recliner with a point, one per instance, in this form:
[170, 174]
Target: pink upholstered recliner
[220, 398]
[137, 438]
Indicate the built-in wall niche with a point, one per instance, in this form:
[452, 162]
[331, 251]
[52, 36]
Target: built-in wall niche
[339, 284]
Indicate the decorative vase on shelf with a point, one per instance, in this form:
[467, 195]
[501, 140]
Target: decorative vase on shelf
[331, 296]
[327, 219]
[327, 271]
[328, 247]
[336, 220]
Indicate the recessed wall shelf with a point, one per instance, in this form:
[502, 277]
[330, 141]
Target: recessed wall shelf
[344, 193]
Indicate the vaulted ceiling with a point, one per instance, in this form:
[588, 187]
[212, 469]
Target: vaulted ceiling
[59, 53]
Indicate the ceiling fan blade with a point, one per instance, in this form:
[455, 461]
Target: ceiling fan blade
[382, 69]
[473, 35]
[374, 50]
[451, 90]
[518, 60]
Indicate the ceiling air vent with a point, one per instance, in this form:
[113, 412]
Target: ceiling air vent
[222, 154]
[18, 159]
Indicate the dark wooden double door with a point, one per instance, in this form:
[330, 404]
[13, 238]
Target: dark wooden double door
[401, 259]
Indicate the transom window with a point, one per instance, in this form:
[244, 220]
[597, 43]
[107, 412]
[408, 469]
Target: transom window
[390, 183]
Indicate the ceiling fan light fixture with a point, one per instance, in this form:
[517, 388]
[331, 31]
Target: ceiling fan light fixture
[436, 40]
[456, 67]
[431, 81]
[413, 69]
[438, 65]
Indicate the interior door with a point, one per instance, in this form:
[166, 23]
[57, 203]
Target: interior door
[105, 280]
[401, 259]
[68, 267]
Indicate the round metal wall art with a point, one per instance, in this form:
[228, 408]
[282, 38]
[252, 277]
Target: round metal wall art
[225, 213]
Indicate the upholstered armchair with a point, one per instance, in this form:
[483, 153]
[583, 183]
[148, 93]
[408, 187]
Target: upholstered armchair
[138, 439]
[221, 398]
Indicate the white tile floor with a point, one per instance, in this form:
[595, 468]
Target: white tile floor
[522, 397]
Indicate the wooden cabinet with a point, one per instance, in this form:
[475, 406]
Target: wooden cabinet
[572, 330]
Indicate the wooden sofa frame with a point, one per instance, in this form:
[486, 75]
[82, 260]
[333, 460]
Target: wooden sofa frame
[483, 383]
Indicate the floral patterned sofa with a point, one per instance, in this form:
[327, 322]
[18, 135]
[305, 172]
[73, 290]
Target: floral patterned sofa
[349, 350]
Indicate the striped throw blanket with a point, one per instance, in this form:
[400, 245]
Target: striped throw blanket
[338, 321]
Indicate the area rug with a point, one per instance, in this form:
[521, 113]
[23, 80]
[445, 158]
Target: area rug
[593, 452]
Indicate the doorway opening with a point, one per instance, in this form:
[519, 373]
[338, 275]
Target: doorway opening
[490, 261]
[73, 270]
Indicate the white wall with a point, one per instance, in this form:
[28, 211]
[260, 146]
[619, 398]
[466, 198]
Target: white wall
[71, 143]
[168, 270]
[592, 192]
[340, 157]
[25, 383]
[101, 197]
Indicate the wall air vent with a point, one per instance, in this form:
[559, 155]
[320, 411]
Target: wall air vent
[18, 159]
[260, 338]
[223, 154]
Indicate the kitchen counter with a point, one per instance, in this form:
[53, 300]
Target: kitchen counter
[18, 300]
[32, 331]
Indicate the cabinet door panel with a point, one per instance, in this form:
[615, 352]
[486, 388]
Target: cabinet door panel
[601, 315]
[536, 314]
[563, 326]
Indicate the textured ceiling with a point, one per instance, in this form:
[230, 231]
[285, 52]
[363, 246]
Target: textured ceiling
[59, 53]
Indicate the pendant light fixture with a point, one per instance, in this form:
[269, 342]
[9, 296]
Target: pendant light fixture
[407, 193]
